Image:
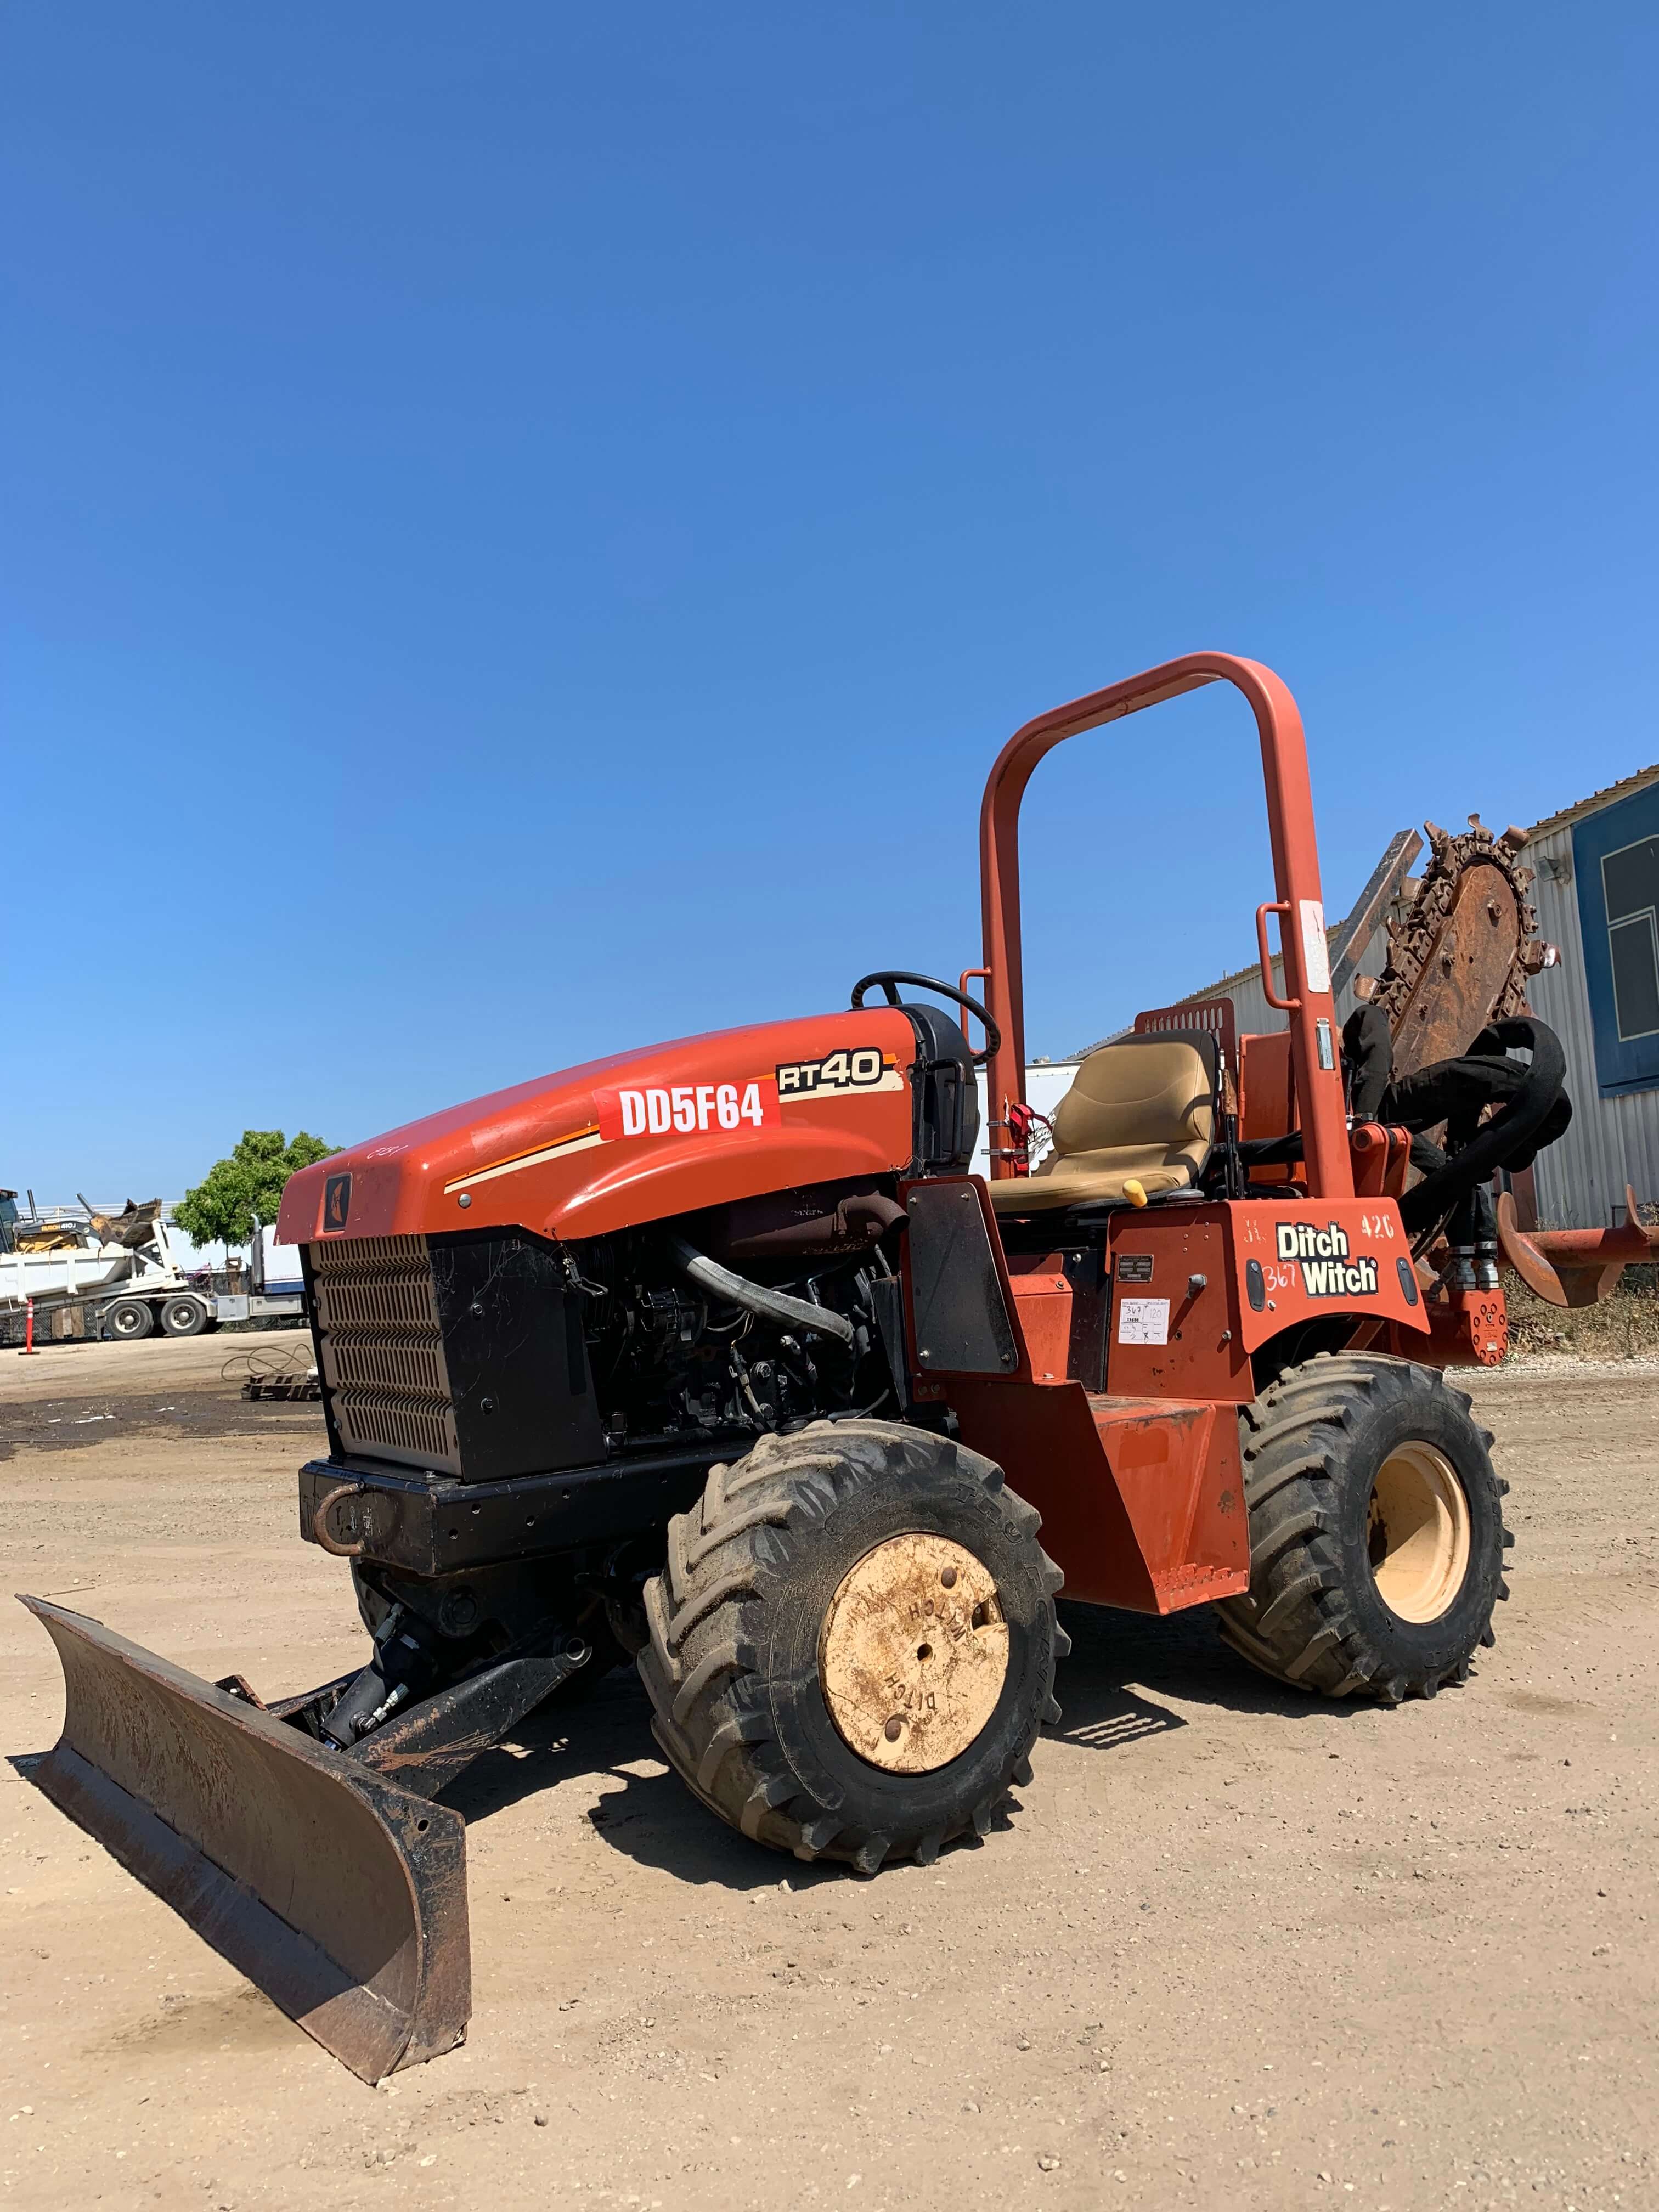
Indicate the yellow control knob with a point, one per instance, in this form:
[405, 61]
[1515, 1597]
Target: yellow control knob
[1134, 1191]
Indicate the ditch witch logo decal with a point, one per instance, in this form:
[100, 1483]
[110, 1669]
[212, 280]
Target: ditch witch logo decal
[1327, 1270]
[337, 1202]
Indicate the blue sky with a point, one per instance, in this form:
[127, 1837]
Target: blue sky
[525, 528]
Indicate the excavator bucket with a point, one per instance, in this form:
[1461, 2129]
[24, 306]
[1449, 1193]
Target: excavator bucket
[340, 1894]
[1574, 1267]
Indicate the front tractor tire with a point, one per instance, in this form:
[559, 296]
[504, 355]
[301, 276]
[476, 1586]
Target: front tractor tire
[1376, 1531]
[853, 1645]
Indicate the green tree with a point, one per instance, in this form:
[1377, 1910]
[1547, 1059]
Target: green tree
[238, 1192]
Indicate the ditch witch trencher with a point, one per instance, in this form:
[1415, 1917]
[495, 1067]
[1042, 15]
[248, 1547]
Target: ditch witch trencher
[718, 1355]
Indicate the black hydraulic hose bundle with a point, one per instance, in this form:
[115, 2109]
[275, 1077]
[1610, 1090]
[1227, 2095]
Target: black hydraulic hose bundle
[1456, 1091]
[1535, 1109]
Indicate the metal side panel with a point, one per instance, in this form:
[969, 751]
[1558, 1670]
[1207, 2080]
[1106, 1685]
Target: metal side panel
[1142, 1499]
[339, 1894]
[958, 1308]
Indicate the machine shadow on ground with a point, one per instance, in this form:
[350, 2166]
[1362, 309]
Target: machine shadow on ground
[1181, 1657]
[604, 1735]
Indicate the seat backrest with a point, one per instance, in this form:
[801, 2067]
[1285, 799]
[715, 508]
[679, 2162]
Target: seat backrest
[1148, 1090]
[1214, 1016]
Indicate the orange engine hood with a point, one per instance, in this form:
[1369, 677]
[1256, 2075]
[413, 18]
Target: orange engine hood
[635, 1138]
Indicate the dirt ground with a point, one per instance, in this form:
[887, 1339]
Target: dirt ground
[1232, 1947]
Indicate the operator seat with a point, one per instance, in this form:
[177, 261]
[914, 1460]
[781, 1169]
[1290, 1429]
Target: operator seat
[1143, 1107]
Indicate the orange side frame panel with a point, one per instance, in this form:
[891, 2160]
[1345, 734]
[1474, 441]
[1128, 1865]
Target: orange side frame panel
[1142, 1499]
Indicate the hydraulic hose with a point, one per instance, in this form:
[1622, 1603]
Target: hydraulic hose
[772, 1305]
[1506, 1134]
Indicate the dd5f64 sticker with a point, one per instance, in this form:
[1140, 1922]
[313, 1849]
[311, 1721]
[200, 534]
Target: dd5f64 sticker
[690, 1109]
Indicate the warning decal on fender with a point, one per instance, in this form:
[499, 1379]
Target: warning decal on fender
[690, 1109]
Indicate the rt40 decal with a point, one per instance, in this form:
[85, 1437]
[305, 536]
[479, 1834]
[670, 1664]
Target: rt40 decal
[862, 1067]
[688, 1109]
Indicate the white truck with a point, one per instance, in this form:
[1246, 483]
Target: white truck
[276, 1289]
[88, 1273]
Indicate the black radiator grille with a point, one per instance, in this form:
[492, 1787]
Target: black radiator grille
[382, 1361]
[421, 1432]
[381, 1350]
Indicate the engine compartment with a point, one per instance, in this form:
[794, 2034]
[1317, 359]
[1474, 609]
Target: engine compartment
[493, 1355]
[671, 1358]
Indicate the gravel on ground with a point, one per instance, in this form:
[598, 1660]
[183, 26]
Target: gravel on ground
[1232, 1947]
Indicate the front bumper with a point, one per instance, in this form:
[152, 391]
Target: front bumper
[440, 1526]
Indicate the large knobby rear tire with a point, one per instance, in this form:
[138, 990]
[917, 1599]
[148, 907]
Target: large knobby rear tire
[1376, 1531]
[853, 1642]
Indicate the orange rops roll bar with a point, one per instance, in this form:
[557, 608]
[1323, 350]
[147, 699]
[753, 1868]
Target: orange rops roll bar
[1296, 879]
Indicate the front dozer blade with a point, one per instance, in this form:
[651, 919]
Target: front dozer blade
[339, 1894]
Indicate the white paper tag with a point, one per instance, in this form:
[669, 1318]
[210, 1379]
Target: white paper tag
[1316, 946]
[1143, 1321]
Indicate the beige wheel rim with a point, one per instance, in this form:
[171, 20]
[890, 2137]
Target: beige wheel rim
[914, 1653]
[1419, 1532]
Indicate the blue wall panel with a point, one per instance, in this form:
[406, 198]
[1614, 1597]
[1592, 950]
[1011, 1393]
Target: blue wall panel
[1621, 1063]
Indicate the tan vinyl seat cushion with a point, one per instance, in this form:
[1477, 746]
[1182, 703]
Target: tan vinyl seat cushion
[1141, 1108]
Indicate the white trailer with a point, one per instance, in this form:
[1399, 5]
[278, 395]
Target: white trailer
[277, 1288]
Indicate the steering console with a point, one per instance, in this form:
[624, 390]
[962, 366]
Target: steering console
[890, 978]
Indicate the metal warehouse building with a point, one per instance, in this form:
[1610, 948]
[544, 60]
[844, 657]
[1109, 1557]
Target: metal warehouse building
[1597, 888]
[1597, 895]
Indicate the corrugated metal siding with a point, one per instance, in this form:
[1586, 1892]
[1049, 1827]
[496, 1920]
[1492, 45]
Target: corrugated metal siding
[1250, 1009]
[1254, 1017]
[1613, 1141]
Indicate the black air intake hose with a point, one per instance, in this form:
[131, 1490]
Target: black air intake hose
[1503, 1139]
[772, 1305]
